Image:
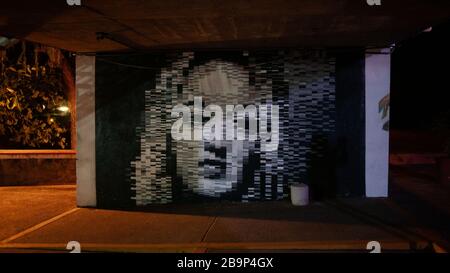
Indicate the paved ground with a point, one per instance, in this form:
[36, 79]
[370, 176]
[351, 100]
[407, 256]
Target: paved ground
[24, 207]
[45, 219]
[415, 191]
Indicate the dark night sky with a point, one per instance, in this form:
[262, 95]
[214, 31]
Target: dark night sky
[420, 87]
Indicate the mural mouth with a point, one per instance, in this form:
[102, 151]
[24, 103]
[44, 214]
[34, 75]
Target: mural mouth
[213, 165]
[214, 161]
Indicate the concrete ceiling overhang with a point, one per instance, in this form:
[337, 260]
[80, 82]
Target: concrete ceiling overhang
[147, 25]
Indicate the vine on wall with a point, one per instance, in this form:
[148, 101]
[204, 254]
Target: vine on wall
[34, 109]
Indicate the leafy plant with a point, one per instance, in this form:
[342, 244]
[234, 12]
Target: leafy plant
[31, 91]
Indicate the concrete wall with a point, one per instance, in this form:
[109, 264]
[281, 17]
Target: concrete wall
[138, 162]
[85, 85]
[378, 71]
[374, 148]
[37, 167]
[350, 116]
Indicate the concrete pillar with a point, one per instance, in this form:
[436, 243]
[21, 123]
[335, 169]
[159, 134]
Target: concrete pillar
[377, 82]
[85, 85]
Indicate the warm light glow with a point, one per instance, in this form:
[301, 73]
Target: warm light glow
[64, 109]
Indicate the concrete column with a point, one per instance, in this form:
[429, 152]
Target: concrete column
[85, 85]
[377, 82]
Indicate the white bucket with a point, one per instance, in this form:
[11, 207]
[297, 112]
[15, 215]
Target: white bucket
[300, 194]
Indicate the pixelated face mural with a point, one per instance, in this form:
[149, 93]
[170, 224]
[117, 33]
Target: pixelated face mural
[217, 173]
[273, 99]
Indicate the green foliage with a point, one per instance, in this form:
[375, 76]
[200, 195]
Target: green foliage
[29, 97]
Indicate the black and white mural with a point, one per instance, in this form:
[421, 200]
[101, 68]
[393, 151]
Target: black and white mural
[237, 126]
